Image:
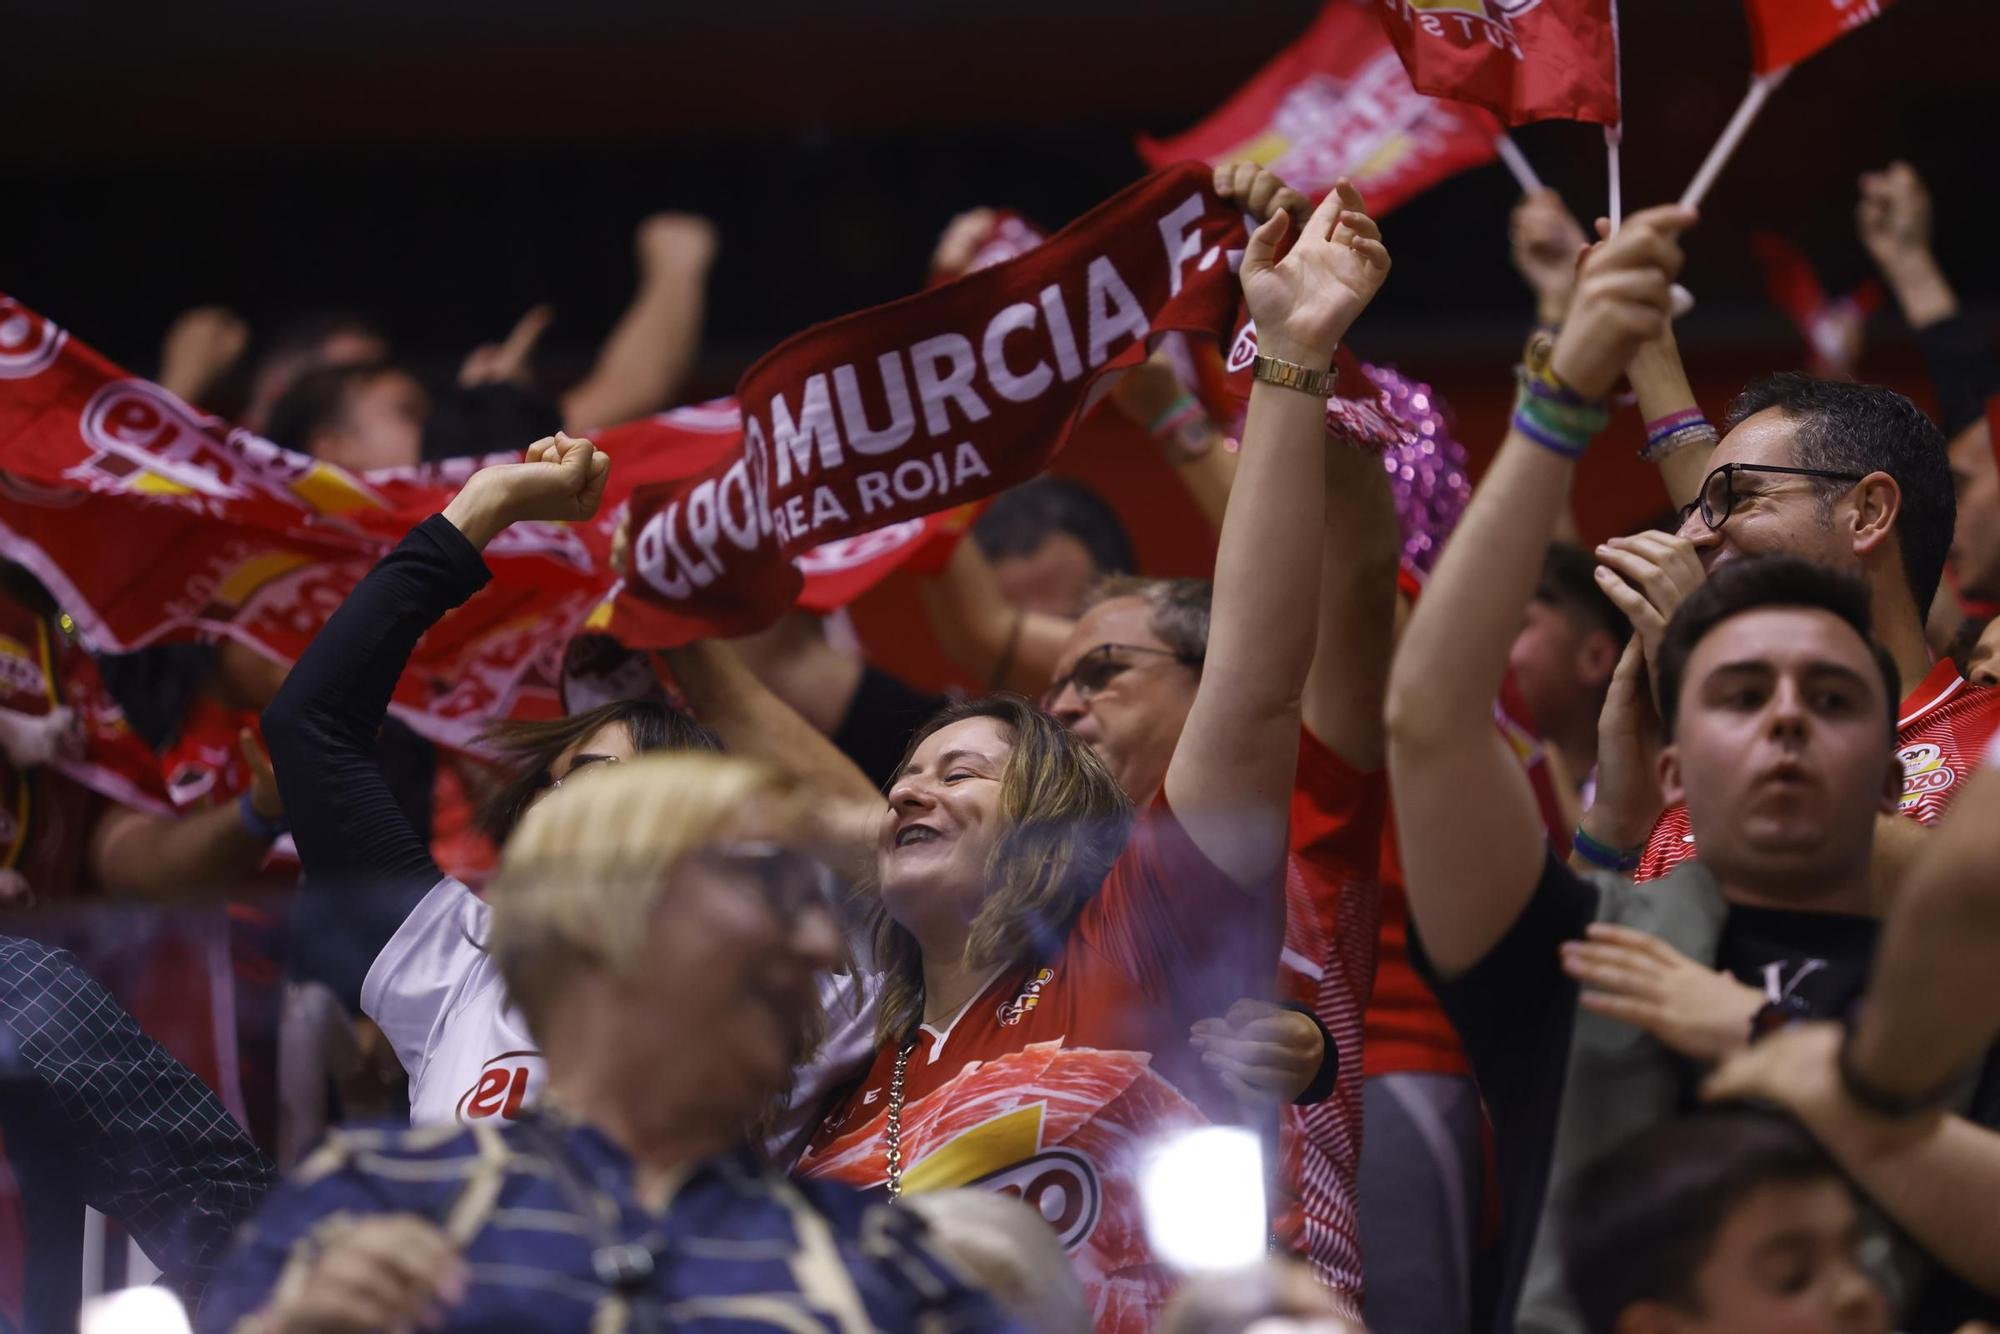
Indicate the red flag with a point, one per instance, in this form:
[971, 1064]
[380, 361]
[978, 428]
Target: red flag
[1337, 102]
[1525, 60]
[1832, 326]
[1784, 32]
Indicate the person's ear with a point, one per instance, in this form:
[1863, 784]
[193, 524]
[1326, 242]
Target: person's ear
[1877, 503]
[1892, 784]
[1668, 766]
[1597, 658]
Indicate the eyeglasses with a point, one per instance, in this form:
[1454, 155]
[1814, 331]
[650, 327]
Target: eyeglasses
[1718, 489]
[581, 762]
[1101, 666]
[792, 882]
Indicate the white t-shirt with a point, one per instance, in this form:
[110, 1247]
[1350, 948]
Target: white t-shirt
[438, 997]
[442, 1004]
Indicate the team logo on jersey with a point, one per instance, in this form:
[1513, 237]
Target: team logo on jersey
[1058, 1183]
[1925, 773]
[501, 1089]
[1014, 1011]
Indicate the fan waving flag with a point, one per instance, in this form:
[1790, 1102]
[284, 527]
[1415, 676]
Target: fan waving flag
[1525, 60]
[1784, 32]
[1337, 102]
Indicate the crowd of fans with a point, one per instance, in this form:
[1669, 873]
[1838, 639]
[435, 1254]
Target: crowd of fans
[1583, 936]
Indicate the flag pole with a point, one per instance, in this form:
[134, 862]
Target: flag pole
[1732, 135]
[1615, 134]
[1517, 163]
[1612, 135]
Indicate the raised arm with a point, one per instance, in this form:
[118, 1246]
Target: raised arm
[177, 857]
[752, 721]
[652, 348]
[1667, 403]
[364, 864]
[988, 636]
[1932, 1006]
[1359, 551]
[1472, 839]
[1230, 779]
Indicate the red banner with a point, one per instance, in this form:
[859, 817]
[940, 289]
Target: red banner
[1784, 32]
[1337, 102]
[1524, 60]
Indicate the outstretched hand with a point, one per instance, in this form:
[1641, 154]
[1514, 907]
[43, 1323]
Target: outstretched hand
[1546, 240]
[1702, 1013]
[1623, 300]
[561, 480]
[1304, 303]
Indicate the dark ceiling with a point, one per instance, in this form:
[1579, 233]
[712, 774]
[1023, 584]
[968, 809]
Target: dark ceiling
[443, 166]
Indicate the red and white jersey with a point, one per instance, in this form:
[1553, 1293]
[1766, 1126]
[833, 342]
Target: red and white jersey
[1060, 1074]
[1945, 725]
[1333, 907]
[440, 1000]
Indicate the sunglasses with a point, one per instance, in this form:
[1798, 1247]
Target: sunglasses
[1101, 666]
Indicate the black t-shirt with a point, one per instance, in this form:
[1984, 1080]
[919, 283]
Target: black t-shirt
[880, 718]
[1516, 1010]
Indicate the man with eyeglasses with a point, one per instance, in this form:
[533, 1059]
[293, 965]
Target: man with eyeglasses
[1588, 1003]
[1847, 475]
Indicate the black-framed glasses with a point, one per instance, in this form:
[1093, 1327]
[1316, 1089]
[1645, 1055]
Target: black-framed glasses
[1718, 489]
[1101, 666]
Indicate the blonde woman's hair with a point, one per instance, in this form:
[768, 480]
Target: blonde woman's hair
[588, 864]
[1065, 822]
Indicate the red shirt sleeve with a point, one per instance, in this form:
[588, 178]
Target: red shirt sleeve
[1176, 925]
[1337, 814]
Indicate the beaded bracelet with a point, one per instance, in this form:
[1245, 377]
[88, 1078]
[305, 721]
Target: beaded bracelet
[1676, 431]
[1180, 410]
[1603, 854]
[1561, 428]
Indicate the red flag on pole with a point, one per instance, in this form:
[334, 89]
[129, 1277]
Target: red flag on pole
[1784, 32]
[1337, 102]
[1525, 60]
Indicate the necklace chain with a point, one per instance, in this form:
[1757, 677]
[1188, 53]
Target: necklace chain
[894, 1134]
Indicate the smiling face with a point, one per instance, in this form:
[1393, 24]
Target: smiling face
[1773, 512]
[1133, 720]
[734, 953]
[1782, 751]
[944, 819]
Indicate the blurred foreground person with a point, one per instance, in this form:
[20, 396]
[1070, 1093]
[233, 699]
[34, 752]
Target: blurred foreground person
[1275, 1297]
[1728, 1221]
[662, 941]
[92, 1111]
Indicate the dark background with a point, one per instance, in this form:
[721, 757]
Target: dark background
[443, 166]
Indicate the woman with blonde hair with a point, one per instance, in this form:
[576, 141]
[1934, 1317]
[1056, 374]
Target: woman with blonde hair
[661, 938]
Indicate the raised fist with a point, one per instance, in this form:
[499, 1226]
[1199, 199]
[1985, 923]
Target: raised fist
[1894, 215]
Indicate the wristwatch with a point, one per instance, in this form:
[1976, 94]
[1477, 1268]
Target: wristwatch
[1291, 375]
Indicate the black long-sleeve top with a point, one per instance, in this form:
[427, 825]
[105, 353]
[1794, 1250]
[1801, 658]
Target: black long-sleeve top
[365, 865]
[1961, 368]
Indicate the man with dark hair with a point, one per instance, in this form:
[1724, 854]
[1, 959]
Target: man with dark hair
[1850, 475]
[1730, 1220]
[1586, 1003]
[1563, 658]
[1049, 540]
[361, 416]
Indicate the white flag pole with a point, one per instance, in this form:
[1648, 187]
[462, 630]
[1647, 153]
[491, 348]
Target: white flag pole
[1615, 134]
[1517, 163]
[1616, 211]
[1732, 135]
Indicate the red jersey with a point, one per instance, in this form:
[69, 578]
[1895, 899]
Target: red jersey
[1052, 1083]
[1333, 904]
[1946, 723]
[1407, 1029]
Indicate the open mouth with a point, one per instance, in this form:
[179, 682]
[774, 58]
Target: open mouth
[916, 833]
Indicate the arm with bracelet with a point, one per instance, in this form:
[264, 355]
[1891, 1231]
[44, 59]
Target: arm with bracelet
[1449, 769]
[1152, 397]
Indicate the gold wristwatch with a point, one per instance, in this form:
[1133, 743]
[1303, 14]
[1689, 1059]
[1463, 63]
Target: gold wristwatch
[1291, 375]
